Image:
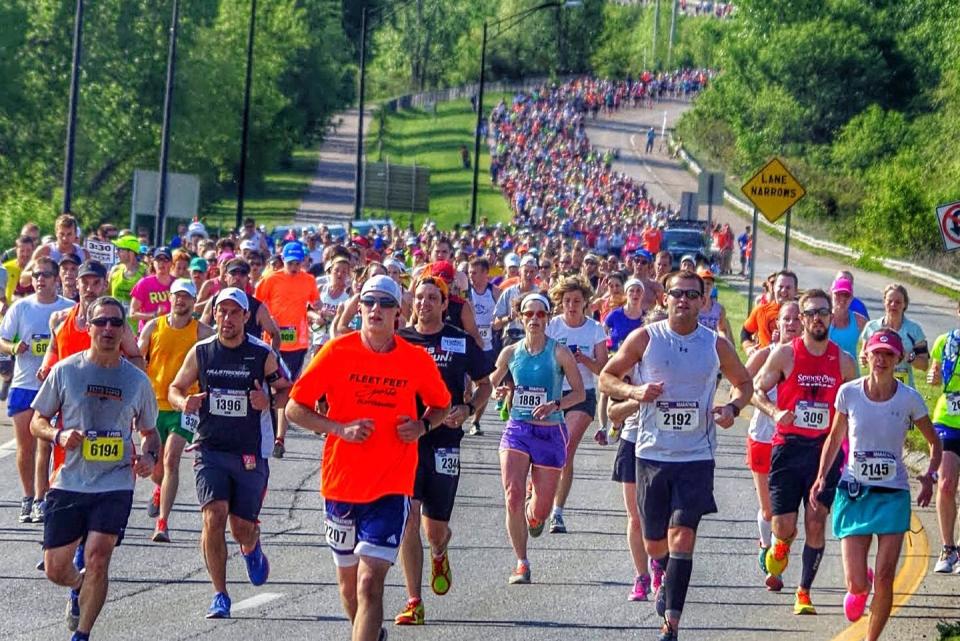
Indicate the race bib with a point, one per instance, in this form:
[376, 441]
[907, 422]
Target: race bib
[228, 402]
[341, 534]
[528, 398]
[39, 344]
[874, 467]
[953, 404]
[288, 335]
[678, 416]
[189, 422]
[811, 415]
[103, 447]
[447, 460]
[455, 345]
[486, 333]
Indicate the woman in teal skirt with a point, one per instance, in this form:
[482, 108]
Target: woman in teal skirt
[873, 498]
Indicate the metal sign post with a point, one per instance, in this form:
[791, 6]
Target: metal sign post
[753, 262]
[786, 239]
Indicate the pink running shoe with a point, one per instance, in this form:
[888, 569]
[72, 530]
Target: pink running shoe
[641, 588]
[855, 604]
[656, 571]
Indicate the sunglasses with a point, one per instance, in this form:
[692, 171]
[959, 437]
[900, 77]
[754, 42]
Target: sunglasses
[822, 312]
[241, 271]
[103, 321]
[385, 303]
[44, 274]
[643, 263]
[533, 314]
[690, 294]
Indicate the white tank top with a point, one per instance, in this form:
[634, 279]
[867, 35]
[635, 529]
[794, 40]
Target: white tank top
[762, 426]
[711, 319]
[678, 426]
[484, 306]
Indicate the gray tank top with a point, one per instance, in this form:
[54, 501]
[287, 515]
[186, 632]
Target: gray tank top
[678, 426]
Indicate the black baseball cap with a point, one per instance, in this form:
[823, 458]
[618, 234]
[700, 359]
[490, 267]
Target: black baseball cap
[92, 268]
[70, 258]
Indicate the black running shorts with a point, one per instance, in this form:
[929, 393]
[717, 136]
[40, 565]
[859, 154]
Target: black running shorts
[793, 470]
[673, 495]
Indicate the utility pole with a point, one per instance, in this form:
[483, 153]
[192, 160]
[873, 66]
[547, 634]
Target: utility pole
[245, 132]
[161, 214]
[72, 109]
[673, 28]
[358, 186]
[656, 26]
[476, 133]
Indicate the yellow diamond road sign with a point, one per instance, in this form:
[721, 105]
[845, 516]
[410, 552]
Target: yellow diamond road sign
[773, 190]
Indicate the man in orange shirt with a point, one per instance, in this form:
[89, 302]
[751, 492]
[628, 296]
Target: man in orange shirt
[652, 237]
[290, 295]
[371, 381]
[758, 329]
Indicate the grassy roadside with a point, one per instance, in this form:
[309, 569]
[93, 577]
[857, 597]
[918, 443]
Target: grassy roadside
[434, 140]
[274, 202]
[736, 306]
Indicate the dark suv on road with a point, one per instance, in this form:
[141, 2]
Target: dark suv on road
[680, 241]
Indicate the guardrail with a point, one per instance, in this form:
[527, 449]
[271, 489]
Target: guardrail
[427, 98]
[909, 269]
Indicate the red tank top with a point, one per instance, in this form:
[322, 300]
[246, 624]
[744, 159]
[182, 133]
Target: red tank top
[809, 392]
[71, 340]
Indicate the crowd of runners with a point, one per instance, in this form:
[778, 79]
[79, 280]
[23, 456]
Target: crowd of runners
[392, 344]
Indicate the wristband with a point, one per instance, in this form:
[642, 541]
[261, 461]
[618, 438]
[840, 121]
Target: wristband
[734, 409]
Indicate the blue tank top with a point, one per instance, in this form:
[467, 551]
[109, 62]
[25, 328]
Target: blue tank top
[537, 379]
[847, 337]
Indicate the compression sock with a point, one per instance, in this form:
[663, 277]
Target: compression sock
[676, 583]
[558, 511]
[811, 563]
[764, 527]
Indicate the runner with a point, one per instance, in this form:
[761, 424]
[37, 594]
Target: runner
[807, 374]
[847, 325]
[713, 315]
[290, 295]
[762, 427]
[235, 373]
[483, 296]
[25, 334]
[150, 297]
[127, 272]
[587, 341]
[757, 330]
[371, 381]
[623, 320]
[165, 342]
[643, 271]
[100, 398]
[678, 361]
[663, 264]
[259, 321]
[873, 497]
[333, 292]
[69, 265]
[438, 470]
[506, 316]
[945, 374]
[895, 304]
[534, 441]
[625, 415]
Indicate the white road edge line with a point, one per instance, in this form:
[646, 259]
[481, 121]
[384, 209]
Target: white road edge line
[8, 448]
[254, 601]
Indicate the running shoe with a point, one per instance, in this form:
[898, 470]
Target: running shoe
[26, 509]
[557, 525]
[383, 635]
[258, 567]
[72, 615]
[600, 436]
[778, 557]
[641, 588]
[41, 566]
[947, 561]
[656, 574]
[534, 527]
[37, 513]
[412, 614]
[440, 576]
[161, 534]
[153, 507]
[80, 636]
[220, 607]
[667, 633]
[774, 582]
[520, 575]
[762, 559]
[476, 430]
[855, 604]
[278, 449]
[802, 603]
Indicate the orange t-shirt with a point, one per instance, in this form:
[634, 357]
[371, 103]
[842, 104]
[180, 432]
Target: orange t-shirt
[360, 383]
[652, 237]
[763, 321]
[287, 296]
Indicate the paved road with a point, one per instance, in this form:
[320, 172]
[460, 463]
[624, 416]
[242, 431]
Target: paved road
[666, 179]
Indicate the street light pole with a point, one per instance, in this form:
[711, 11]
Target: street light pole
[159, 231]
[72, 108]
[245, 133]
[476, 133]
[358, 186]
[673, 28]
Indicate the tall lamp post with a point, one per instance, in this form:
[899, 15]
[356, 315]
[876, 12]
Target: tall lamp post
[245, 132]
[72, 109]
[165, 134]
[501, 26]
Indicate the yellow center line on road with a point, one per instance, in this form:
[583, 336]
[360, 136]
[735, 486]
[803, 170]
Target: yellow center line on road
[916, 558]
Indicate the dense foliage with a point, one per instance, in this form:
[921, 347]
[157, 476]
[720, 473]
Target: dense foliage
[303, 70]
[863, 101]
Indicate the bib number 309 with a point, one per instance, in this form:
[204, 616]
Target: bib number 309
[812, 415]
